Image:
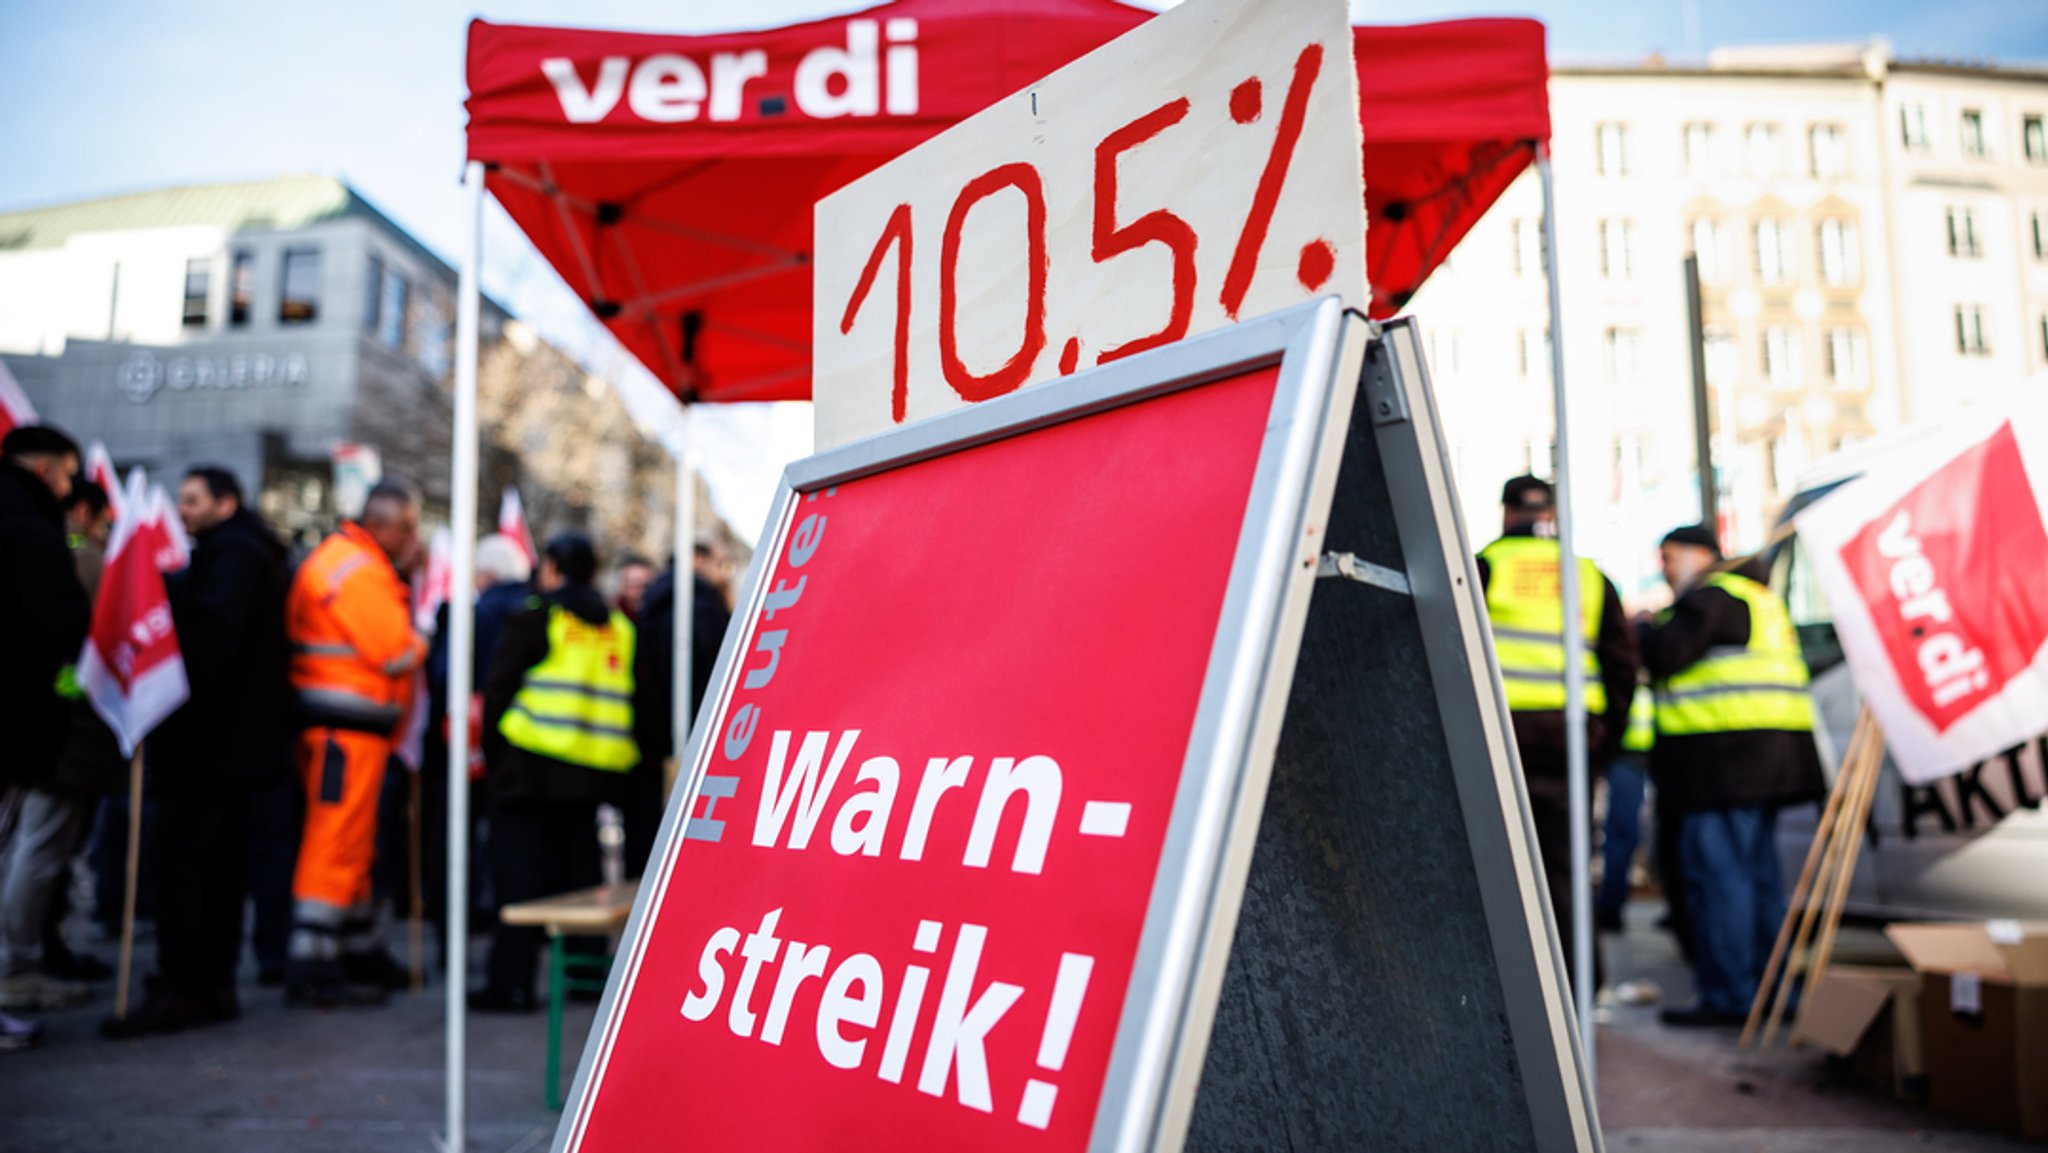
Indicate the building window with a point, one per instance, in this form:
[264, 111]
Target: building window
[198, 278]
[1721, 361]
[373, 294]
[1699, 148]
[1848, 367]
[1622, 345]
[1760, 141]
[1616, 262]
[432, 340]
[1774, 251]
[2038, 223]
[1828, 149]
[241, 287]
[2044, 338]
[2034, 136]
[1840, 259]
[1913, 127]
[1707, 244]
[1528, 252]
[1781, 356]
[1972, 128]
[397, 299]
[1962, 233]
[1611, 158]
[298, 300]
[1970, 339]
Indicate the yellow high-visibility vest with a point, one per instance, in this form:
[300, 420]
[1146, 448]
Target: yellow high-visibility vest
[1524, 600]
[1733, 689]
[577, 705]
[1641, 735]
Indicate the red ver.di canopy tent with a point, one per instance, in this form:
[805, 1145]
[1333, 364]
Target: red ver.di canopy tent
[670, 179]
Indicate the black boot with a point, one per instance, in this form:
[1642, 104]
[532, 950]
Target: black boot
[161, 1012]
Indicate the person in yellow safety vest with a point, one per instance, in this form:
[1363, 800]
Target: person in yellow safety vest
[353, 655]
[558, 741]
[1525, 603]
[1734, 746]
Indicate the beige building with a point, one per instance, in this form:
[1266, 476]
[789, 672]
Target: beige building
[1873, 244]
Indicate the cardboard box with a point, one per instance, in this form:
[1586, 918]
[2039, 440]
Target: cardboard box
[1870, 1015]
[1983, 1020]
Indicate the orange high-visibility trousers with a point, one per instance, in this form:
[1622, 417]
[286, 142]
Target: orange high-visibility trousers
[343, 773]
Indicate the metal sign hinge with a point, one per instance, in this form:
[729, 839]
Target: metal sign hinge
[1344, 564]
[1384, 395]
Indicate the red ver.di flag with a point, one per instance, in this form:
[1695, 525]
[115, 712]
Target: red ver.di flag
[131, 668]
[1935, 563]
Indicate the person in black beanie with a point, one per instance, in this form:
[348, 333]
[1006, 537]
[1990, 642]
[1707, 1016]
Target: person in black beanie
[1734, 746]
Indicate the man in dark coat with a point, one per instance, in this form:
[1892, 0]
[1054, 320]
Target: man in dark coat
[654, 689]
[44, 614]
[541, 695]
[91, 766]
[213, 759]
[43, 609]
[1734, 746]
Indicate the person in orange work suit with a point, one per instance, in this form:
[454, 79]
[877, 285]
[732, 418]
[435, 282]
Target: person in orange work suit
[353, 655]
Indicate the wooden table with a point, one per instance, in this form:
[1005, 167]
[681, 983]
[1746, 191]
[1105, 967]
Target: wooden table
[601, 911]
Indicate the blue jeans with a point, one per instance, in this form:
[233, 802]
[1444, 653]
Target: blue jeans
[1736, 899]
[1622, 833]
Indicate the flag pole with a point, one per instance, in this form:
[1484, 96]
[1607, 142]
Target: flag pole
[685, 594]
[128, 895]
[1580, 938]
[461, 656]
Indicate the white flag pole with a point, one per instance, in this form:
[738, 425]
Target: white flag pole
[1576, 770]
[461, 656]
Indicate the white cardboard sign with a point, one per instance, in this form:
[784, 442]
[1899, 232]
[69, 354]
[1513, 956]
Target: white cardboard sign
[1202, 168]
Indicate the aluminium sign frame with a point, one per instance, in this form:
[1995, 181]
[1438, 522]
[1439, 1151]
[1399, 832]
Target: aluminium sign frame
[1167, 1010]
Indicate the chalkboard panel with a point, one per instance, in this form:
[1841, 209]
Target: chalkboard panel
[1366, 1001]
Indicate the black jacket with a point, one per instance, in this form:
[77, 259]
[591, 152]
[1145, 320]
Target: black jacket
[494, 606]
[654, 671]
[1722, 770]
[91, 762]
[1539, 736]
[43, 620]
[235, 731]
[518, 777]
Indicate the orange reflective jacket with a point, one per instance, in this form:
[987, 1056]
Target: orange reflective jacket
[353, 645]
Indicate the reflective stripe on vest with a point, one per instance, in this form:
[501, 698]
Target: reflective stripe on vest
[1761, 685]
[1641, 735]
[1525, 604]
[577, 704]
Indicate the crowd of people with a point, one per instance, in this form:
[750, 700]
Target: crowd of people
[1705, 703]
[273, 792]
[276, 796]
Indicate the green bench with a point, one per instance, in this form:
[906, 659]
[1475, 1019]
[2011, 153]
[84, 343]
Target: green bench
[598, 912]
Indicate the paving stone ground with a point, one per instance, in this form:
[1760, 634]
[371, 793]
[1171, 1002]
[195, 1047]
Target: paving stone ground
[370, 1080]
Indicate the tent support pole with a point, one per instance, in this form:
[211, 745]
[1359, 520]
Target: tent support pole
[686, 587]
[1576, 769]
[461, 656]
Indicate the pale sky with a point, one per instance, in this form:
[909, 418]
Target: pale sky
[117, 97]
